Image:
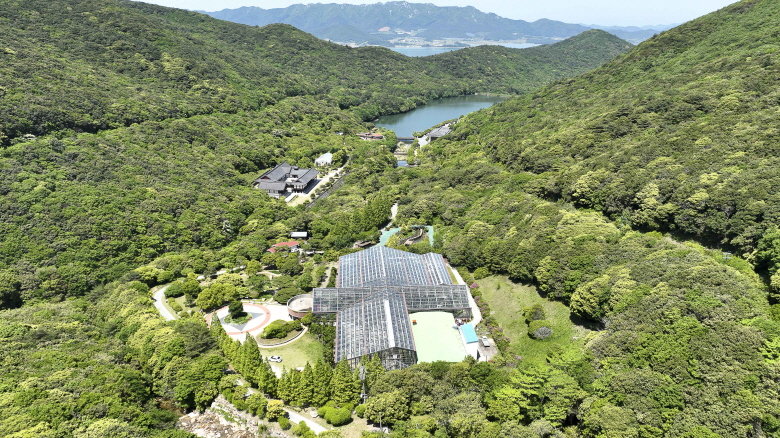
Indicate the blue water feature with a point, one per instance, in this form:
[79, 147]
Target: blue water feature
[386, 235]
[430, 233]
[469, 334]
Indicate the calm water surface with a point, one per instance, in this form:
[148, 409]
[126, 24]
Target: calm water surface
[435, 112]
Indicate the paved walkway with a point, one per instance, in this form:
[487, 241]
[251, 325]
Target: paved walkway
[296, 418]
[300, 335]
[476, 317]
[303, 198]
[159, 303]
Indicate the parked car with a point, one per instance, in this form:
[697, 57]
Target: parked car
[485, 341]
[275, 358]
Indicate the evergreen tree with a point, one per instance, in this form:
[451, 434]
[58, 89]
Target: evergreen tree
[306, 386]
[345, 384]
[266, 379]
[323, 374]
[284, 387]
[249, 359]
[374, 370]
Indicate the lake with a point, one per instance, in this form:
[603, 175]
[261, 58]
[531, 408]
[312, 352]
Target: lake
[435, 112]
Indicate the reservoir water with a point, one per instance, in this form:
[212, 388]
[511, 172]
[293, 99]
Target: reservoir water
[435, 112]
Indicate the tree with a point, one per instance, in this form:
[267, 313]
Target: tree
[387, 407]
[275, 410]
[9, 291]
[321, 383]
[217, 295]
[345, 384]
[249, 359]
[373, 370]
[106, 427]
[266, 379]
[521, 398]
[306, 384]
[236, 309]
[257, 404]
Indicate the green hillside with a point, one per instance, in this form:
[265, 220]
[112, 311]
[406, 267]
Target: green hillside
[152, 123]
[511, 70]
[679, 134]
[90, 65]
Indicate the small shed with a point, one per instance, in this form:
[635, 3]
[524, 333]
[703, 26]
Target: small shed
[299, 234]
[325, 159]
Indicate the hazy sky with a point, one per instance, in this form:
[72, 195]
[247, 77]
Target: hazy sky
[604, 12]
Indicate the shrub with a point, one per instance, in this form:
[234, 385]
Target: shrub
[481, 273]
[534, 313]
[279, 329]
[360, 411]
[174, 290]
[236, 309]
[337, 416]
[284, 423]
[176, 306]
[540, 329]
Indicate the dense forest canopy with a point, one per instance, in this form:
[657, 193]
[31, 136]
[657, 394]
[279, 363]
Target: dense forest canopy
[677, 340]
[680, 134]
[90, 65]
[159, 119]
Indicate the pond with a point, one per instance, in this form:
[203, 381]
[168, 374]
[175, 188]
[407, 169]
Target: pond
[435, 112]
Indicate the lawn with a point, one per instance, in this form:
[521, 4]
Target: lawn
[295, 355]
[507, 301]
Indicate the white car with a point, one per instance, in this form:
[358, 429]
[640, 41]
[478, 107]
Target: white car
[275, 358]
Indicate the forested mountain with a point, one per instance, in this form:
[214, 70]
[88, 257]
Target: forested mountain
[680, 134]
[92, 65]
[362, 23]
[153, 122]
[167, 101]
[501, 68]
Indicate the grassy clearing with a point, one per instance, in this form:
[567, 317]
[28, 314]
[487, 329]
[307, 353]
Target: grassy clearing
[507, 301]
[354, 429]
[296, 354]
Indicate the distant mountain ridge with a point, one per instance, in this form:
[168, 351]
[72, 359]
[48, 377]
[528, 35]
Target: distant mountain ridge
[382, 23]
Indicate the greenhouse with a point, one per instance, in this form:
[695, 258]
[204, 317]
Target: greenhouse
[376, 290]
[378, 325]
[383, 266]
[452, 298]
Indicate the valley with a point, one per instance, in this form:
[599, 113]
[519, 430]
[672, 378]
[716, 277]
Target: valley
[589, 246]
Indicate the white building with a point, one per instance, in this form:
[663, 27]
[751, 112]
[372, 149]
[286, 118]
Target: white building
[325, 159]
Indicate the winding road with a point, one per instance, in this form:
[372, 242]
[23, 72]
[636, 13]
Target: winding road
[159, 303]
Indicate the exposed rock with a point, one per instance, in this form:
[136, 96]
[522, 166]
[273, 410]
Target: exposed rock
[223, 420]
